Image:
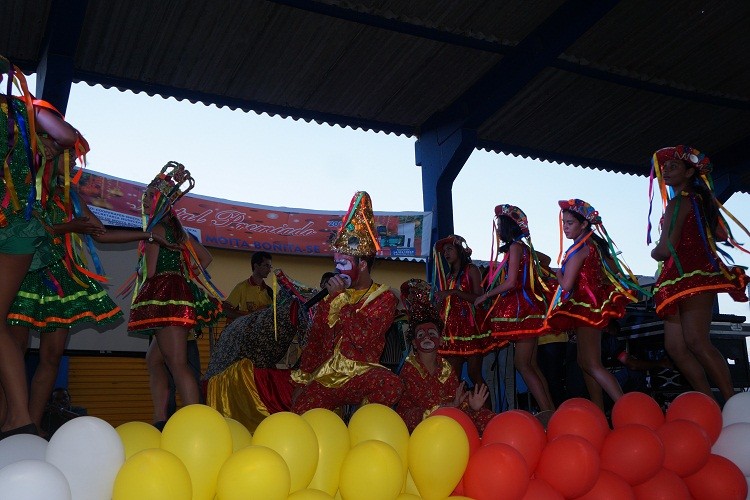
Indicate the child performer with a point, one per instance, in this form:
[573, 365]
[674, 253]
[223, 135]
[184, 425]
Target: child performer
[458, 283]
[167, 302]
[429, 381]
[592, 291]
[520, 299]
[691, 271]
[64, 293]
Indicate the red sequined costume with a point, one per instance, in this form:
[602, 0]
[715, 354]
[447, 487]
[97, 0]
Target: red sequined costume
[339, 364]
[519, 313]
[594, 300]
[461, 335]
[702, 269]
[424, 392]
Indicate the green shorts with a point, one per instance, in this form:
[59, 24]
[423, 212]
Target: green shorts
[21, 236]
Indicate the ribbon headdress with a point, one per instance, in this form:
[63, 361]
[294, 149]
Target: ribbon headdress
[498, 270]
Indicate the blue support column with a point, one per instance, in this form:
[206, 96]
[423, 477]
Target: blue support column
[56, 68]
[442, 152]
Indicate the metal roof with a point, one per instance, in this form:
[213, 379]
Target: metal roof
[597, 83]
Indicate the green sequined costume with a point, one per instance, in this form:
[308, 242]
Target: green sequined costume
[58, 297]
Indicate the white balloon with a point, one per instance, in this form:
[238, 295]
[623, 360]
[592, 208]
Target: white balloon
[734, 444]
[736, 409]
[22, 447]
[89, 452]
[32, 480]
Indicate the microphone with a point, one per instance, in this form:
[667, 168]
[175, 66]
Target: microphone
[316, 298]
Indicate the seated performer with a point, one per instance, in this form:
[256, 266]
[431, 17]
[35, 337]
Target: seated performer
[429, 380]
[243, 380]
[339, 364]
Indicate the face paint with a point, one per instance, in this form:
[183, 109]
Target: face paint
[426, 338]
[346, 268]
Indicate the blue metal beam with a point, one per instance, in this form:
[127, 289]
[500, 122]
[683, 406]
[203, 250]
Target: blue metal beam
[56, 67]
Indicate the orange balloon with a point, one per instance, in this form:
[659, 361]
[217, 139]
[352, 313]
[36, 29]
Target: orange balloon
[496, 468]
[519, 429]
[586, 403]
[609, 486]
[472, 434]
[699, 408]
[579, 419]
[665, 485]
[686, 446]
[637, 408]
[570, 464]
[634, 452]
[539, 490]
[719, 478]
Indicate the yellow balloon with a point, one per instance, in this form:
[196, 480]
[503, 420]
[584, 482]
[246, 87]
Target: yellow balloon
[459, 497]
[241, 437]
[292, 438]
[310, 494]
[200, 437]
[438, 454]
[152, 474]
[371, 471]
[138, 436]
[410, 487]
[333, 445]
[379, 422]
[253, 472]
[408, 496]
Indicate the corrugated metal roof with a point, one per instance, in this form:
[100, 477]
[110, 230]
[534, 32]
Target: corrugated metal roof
[644, 75]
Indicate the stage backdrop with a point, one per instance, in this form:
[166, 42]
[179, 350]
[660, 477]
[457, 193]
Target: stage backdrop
[244, 226]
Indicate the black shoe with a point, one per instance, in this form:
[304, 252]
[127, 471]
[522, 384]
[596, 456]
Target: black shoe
[24, 429]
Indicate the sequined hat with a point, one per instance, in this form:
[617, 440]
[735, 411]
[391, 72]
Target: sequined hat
[455, 240]
[173, 181]
[691, 156]
[357, 236]
[582, 208]
[516, 215]
[419, 307]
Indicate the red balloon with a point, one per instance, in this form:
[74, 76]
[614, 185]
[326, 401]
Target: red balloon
[609, 486]
[539, 490]
[570, 464]
[686, 446]
[578, 419]
[719, 478]
[465, 421]
[633, 452]
[699, 408]
[665, 485]
[637, 408]
[519, 429]
[494, 468]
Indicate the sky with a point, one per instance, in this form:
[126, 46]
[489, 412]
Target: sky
[280, 162]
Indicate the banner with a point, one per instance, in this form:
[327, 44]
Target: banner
[243, 226]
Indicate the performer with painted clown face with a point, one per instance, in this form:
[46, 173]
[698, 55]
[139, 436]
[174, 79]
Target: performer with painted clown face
[339, 364]
[429, 380]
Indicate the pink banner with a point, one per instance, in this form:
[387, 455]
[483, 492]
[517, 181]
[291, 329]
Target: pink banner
[242, 226]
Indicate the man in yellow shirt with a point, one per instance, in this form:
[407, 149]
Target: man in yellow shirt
[253, 293]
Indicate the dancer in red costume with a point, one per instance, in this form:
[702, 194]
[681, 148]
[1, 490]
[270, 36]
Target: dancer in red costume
[592, 291]
[458, 283]
[691, 271]
[339, 364]
[519, 299]
[429, 380]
